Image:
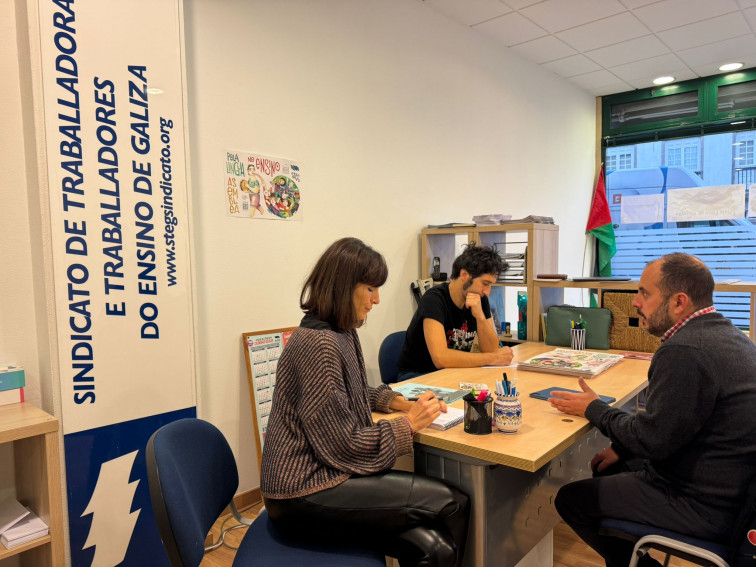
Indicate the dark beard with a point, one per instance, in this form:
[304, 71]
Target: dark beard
[659, 322]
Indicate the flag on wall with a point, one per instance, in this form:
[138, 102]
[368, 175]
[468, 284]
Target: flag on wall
[600, 226]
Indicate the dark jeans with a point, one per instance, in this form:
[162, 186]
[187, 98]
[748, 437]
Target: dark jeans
[636, 496]
[419, 520]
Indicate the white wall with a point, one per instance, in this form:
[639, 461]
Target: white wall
[400, 118]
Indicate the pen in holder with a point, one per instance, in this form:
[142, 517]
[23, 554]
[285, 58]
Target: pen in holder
[508, 413]
[577, 339]
[478, 415]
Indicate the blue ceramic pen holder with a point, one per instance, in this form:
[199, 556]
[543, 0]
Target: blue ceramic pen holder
[508, 413]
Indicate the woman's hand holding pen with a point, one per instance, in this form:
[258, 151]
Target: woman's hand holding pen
[427, 408]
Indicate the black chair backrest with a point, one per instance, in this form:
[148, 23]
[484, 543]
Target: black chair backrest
[388, 355]
[192, 477]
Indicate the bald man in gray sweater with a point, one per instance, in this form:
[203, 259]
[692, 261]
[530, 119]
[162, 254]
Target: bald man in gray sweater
[696, 441]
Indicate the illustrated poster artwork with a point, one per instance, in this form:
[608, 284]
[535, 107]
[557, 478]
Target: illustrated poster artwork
[262, 187]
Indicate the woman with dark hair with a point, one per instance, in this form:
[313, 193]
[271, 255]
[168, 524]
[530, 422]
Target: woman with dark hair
[326, 466]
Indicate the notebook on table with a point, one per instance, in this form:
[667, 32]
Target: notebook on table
[452, 417]
[545, 394]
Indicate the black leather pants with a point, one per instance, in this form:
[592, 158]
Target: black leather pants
[419, 520]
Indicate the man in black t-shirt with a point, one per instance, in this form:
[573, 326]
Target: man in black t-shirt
[451, 316]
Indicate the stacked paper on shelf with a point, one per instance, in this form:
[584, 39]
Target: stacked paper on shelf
[515, 271]
[11, 511]
[583, 363]
[530, 218]
[29, 528]
[11, 377]
[452, 225]
[482, 220]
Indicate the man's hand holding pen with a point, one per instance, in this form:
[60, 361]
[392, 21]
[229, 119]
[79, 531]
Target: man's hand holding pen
[427, 408]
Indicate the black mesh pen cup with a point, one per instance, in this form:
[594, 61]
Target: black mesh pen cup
[478, 416]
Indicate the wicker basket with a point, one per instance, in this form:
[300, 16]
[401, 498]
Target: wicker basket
[626, 332]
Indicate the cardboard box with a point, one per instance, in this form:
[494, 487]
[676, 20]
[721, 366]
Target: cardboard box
[11, 378]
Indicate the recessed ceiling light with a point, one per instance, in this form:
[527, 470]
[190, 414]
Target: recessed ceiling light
[663, 80]
[730, 66]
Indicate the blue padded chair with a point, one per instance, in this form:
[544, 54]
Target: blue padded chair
[388, 354]
[698, 551]
[193, 477]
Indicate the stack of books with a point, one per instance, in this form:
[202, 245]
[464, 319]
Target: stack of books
[482, 220]
[18, 524]
[12, 382]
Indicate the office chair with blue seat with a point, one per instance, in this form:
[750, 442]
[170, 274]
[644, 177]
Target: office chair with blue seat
[673, 544]
[740, 552]
[192, 477]
[388, 355]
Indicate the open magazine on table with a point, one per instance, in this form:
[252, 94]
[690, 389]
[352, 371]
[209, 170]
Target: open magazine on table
[582, 363]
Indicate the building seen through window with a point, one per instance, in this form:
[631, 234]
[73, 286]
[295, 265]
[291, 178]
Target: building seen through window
[687, 195]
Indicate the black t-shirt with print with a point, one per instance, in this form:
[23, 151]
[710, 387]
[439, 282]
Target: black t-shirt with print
[460, 327]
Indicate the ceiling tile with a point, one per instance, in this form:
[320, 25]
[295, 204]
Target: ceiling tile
[571, 66]
[558, 15]
[747, 4]
[719, 52]
[628, 51]
[632, 4]
[649, 68]
[468, 12]
[750, 15]
[510, 29]
[604, 32]
[713, 68]
[674, 13]
[708, 31]
[597, 79]
[680, 75]
[610, 89]
[518, 4]
[543, 49]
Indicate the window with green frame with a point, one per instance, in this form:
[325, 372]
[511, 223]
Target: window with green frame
[687, 143]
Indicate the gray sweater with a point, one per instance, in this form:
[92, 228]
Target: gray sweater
[699, 428]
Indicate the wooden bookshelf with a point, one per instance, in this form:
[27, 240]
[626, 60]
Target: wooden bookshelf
[34, 434]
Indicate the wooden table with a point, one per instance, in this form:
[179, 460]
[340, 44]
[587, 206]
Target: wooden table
[512, 479]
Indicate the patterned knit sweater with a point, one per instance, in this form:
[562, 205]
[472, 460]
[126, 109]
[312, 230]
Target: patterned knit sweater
[320, 430]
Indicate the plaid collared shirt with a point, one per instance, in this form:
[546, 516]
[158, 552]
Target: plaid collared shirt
[676, 327]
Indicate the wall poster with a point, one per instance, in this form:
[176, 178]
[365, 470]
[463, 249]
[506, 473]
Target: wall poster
[113, 99]
[262, 187]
